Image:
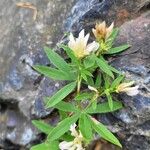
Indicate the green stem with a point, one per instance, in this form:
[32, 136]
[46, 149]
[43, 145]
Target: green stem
[93, 100]
[79, 84]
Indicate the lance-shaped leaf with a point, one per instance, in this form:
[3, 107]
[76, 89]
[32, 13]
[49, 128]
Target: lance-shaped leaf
[46, 146]
[62, 127]
[83, 96]
[67, 107]
[60, 95]
[57, 60]
[98, 81]
[70, 53]
[89, 61]
[118, 49]
[104, 132]
[110, 101]
[42, 126]
[117, 81]
[85, 127]
[103, 65]
[53, 73]
[112, 37]
[104, 108]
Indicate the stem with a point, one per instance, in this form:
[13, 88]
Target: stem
[93, 100]
[79, 84]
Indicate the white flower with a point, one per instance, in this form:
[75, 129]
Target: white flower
[126, 87]
[79, 45]
[76, 144]
[92, 88]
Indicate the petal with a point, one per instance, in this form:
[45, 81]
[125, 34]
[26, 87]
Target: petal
[79, 147]
[71, 38]
[81, 34]
[65, 145]
[125, 85]
[86, 38]
[73, 130]
[109, 29]
[92, 47]
[103, 25]
[94, 32]
[92, 88]
[72, 127]
[132, 91]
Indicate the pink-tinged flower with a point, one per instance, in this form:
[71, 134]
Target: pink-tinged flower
[101, 32]
[128, 89]
[76, 144]
[79, 45]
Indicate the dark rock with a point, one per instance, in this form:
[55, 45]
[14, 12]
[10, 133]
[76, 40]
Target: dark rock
[135, 64]
[21, 46]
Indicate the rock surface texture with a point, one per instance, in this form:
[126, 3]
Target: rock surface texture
[21, 46]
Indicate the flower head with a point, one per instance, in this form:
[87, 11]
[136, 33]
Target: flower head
[79, 45]
[101, 32]
[126, 87]
[76, 144]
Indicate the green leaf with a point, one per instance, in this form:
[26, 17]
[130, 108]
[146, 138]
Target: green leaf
[104, 132]
[104, 108]
[85, 127]
[103, 65]
[117, 81]
[42, 146]
[60, 95]
[70, 53]
[98, 81]
[67, 107]
[94, 104]
[67, 137]
[46, 146]
[42, 126]
[83, 76]
[113, 36]
[110, 101]
[118, 49]
[86, 72]
[83, 96]
[53, 73]
[62, 127]
[57, 60]
[114, 70]
[90, 81]
[106, 81]
[89, 61]
[63, 114]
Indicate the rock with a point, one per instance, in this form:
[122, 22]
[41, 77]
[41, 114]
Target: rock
[85, 13]
[135, 62]
[21, 46]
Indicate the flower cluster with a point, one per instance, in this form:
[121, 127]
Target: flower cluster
[76, 144]
[128, 89]
[79, 45]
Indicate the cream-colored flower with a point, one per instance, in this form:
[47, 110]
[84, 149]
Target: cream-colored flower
[79, 45]
[76, 144]
[92, 88]
[101, 32]
[126, 87]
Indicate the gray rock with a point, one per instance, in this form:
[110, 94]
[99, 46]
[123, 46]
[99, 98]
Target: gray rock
[135, 64]
[21, 46]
